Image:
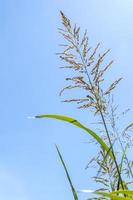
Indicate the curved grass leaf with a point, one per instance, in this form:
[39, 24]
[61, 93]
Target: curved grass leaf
[78, 124]
[75, 196]
[113, 196]
[126, 192]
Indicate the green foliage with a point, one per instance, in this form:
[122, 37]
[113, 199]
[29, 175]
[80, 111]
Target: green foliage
[78, 124]
[75, 196]
[115, 169]
[124, 195]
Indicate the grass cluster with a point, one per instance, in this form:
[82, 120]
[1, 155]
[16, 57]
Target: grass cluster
[89, 66]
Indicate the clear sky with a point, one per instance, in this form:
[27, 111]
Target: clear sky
[30, 81]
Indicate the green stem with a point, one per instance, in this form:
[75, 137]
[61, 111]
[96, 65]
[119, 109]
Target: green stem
[117, 167]
[104, 123]
[125, 155]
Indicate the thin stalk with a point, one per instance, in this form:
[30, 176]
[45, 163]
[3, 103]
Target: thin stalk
[99, 108]
[117, 167]
[109, 174]
[131, 173]
[120, 142]
[104, 122]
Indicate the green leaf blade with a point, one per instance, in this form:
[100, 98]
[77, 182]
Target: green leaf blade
[113, 196]
[78, 124]
[75, 196]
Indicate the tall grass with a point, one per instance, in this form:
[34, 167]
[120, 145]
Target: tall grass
[89, 67]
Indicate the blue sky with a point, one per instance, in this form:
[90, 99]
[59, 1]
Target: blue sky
[30, 80]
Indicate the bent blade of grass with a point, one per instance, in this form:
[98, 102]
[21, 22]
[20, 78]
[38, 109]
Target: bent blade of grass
[113, 196]
[75, 196]
[78, 124]
[127, 192]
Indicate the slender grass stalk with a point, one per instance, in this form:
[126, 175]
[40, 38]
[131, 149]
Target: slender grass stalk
[117, 166]
[75, 196]
[102, 117]
[125, 156]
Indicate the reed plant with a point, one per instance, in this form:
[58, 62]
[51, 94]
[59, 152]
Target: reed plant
[89, 67]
